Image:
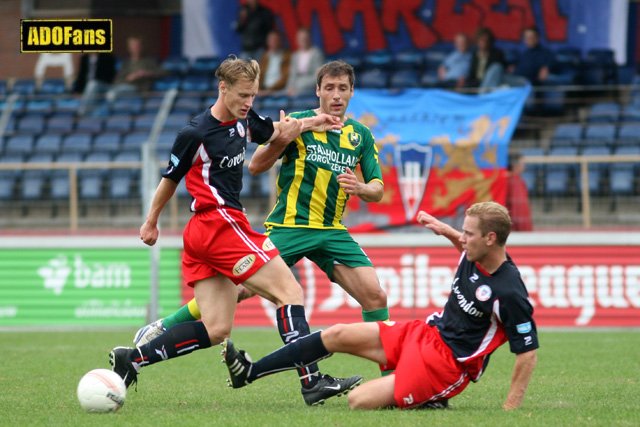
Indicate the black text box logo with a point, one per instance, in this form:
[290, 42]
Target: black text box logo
[66, 35]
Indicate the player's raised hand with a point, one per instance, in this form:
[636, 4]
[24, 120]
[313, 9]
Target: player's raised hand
[349, 182]
[324, 122]
[432, 223]
[289, 127]
[149, 233]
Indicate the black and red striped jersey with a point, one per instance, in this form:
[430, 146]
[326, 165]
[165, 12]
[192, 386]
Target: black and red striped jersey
[211, 154]
[485, 310]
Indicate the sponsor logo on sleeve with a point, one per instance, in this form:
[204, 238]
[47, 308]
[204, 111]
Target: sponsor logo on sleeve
[268, 245]
[524, 328]
[66, 35]
[174, 160]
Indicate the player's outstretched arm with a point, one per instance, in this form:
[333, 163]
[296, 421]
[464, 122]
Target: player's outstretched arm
[286, 130]
[440, 228]
[149, 230]
[369, 192]
[522, 372]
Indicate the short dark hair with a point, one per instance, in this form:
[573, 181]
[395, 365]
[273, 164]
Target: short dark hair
[336, 69]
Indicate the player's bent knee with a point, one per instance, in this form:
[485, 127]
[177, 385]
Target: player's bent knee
[333, 337]
[357, 399]
[218, 333]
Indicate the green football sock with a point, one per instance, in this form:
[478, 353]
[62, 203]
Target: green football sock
[186, 313]
[380, 314]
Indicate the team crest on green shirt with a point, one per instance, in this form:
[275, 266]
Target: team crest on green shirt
[355, 139]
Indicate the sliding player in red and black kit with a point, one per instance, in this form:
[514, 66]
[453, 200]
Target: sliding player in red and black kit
[434, 359]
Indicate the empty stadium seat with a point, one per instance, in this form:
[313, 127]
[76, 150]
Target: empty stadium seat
[60, 124]
[77, 143]
[374, 79]
[628, 134]
[24, 86]
[630, 114]
[133, 141]
[558, 176]
[127, 105]
[187, 105]
[532, 171]
[604, 112]
[39, 106]
[60, 186]
[144, 123]
[48, 143]
[34, 124]
[404, 79]
[8, 178]
[90, 124]
[33, 180]
[52, 87]
[567, 134]
[382, 60]
[19, 144]
[118, 122]
[623, 179]
[196, 83]
[108, 142]
[599, 134]
[597, 172]
[175, 65]
[408, 59]
[204, 65]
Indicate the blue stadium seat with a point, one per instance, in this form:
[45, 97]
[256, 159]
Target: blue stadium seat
[90, 124]
[176, 122]
[204, 65]
[144, 123]
[60, 186]
[599, 135]
[33, 180]
[77, 143]
[176, 65]
[599, 67]
[133, 141]
[107, 142]
[124, 183]
[567, 134]
[532, 171]
[623, 179]
[409, 60]
[52, 87]
[630, 114]
[628, 134]
[39, 106]
[165, 83]
[188, 105]
[567, 62]
[66, 104]
[24, 86]
[8, 178]
[374, 79]
[127, 105]
[60, 124]
[597, 171]
[118, 122]
[303, 102]
[34, 124]
[49, 143]
[382, 60]
[196, 83]
[604, 112]
[19, 144]
[404, 79]
[355, 60]
[558, 176]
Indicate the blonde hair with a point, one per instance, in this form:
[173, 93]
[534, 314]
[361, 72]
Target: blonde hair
[233, 69]
[493, 217]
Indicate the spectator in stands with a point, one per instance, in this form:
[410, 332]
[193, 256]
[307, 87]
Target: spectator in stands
[535, 61]
[517, 195]
[274, 64]
[455, 67]
[486, 61]
[96, 73]
[253, 25]
[137, 72]
[306, 59]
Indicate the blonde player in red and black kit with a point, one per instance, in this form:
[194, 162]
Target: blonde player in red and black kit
[221, 249]
[437, 358]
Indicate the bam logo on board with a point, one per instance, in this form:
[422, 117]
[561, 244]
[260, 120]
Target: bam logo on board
[66, 35]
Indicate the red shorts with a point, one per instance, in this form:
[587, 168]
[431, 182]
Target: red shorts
[425, 367]
[221, 241]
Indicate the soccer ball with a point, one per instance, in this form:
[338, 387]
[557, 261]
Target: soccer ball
[101, 390]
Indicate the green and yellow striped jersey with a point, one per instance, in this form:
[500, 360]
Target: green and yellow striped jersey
[308, 191]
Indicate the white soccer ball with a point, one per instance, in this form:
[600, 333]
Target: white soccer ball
[101, 390]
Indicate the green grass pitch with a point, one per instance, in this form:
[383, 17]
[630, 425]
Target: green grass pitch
[582, 378]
